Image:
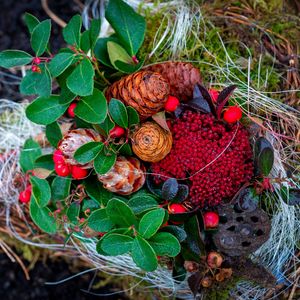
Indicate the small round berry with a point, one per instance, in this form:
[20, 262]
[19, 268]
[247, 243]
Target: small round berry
[176, 208]
[214, 94]
[214, 259]
[35, 69]
[117, 132]
[58, 157]
[25, 196]
[62, 170]
[78, 172]
[70, 110]
[206, 282]
[171, 104]
[211, 219]
[36, 60]
[233, 114]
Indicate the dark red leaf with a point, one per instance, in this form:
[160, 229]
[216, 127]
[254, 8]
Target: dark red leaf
[223, 98]
[194, 282]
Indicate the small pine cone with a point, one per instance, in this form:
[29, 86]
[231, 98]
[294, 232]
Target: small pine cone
[126, 177]
[182, 77]
[73, 140]
[145, 91]
[151, 142]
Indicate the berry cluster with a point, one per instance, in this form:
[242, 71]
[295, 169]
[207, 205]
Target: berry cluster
[198, 139]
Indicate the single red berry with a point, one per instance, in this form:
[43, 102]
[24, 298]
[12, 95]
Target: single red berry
[214, 94]
[171, 104]
[36, 60]
[176, 208]
[70, 110]
[211, 219]
[117, 132]
[214, 259]
[233, 114]
[78, 172]
[25, 196]
[62, 169]
[36, 69]
[58, 157]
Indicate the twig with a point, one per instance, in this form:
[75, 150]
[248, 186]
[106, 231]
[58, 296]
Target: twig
[52, 15]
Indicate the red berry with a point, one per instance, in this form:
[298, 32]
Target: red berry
[36, 69]
[214, 259]
[171, 104]
[62, 169]
[78, 172]
[117, 132]
[176, 208]
[70, 110]
[211, 219]
[58, 157]
[36, 60]
[214, 94]
[233, 114]
[25, 196]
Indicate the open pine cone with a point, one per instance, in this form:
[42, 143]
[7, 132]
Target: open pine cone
[181, 76]
[126, 177]
[73, 140]
[151, 142]
[145, 91]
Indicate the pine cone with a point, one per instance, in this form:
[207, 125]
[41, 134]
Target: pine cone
[151, 142]
[182, 77]
[73, 140]
[145, 91]
[126, 177]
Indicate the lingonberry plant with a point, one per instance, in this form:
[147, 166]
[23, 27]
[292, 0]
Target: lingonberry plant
[141, 181]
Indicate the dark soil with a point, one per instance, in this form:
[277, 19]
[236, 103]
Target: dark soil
[14, 286]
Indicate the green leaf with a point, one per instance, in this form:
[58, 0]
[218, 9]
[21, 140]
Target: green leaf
[40, 37]
[264, 156]
[53, 134]
[133, 116]
[35, 83]
[85, 44]
[31, 151]
[60, 188]
[151, 222]
[142, 203]
[92, 109]
[73, 212]
[71, 32]
[165, 243]
[107, 125]
[177, 231]
[116, 244]
[31, 22]
[94, 31]
[60, 62]
[118, 112]
[41, 191]
[120, 213]
[42, 218]
[81, 80]
[128, 25]
[143, 254]
[100, 50]
[96, 191]
[90, 204]
[44, 162]
[117, 53]
[13, 58]
[128, 68]
[66, 96]
[88, 152]
[104, 162]
[125, 149]
[99, 221]
[45, 110]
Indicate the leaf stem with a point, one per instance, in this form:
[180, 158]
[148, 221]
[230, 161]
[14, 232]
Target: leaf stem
[99, 73]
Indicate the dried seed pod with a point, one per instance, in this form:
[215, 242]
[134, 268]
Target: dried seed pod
[73, 140]
[126, 177]
[145, 91]
[191, 266]
[182, 77]
[151, 142]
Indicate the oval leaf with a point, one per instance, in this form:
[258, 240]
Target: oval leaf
[60, 63]
[264, 156]
[118, 112]
[133, 116]
[71, 32]
[104, 162]
[96, 191]
[53, 134]
[31, 22]
[73, 212]
[60, 187]
[151, 222]
[99, 221]
[40, 37]
[142, 203]
[165, 243]
[31, 151]
[14, 58]
[40, 190]
[88, 152]
[116, 244]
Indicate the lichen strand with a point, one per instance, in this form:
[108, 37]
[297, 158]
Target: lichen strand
[198, 139]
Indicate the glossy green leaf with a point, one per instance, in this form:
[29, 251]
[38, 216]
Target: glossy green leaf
[31, 22]
[71, 32]
[60, 187]
[107, 125]
[94, 31]
[165, 243]
[142, 203]
[92, 109]
[117, 53]
[73, 212]
[30, 152]
[14, 58]
[96, 191]
[264, 156]
[85, 43]
[118, 112]
[45, 110]
[99, 221]
[81, 80]
[40, 190]
[143, 254]
[128, 68]
[90, 204]
[88, 152]
[116, 244]
[129, 26]
[44, 162]
[100, 50]
[40, 37]
[53, 134]
[177, 231]
[133, 116]
[125, 150]
[104, 162]
[60, 62]
[120, 213]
